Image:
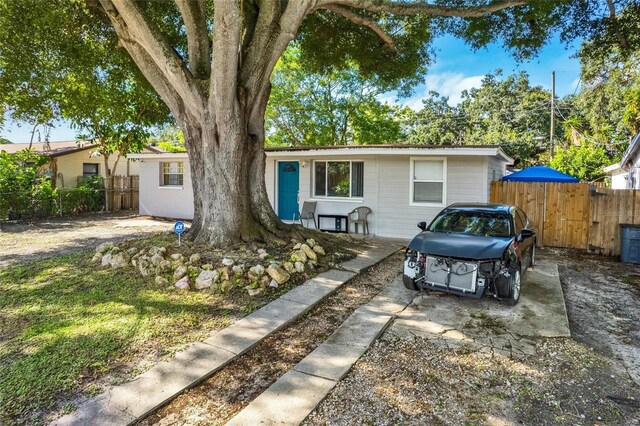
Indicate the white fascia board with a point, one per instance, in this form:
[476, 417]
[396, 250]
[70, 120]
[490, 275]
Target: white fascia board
[358, 152]
[612, 168]
[159, 156]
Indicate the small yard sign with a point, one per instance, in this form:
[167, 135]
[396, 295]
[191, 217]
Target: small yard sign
[178, 229]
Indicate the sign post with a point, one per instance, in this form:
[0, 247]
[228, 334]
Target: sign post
[178, 229]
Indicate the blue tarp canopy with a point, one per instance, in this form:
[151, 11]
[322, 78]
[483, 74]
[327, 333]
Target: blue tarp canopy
[540, 174]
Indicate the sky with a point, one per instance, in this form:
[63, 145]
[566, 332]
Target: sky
[456, 68]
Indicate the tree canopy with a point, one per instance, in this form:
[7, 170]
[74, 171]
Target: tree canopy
[327, 107]
[210, 61]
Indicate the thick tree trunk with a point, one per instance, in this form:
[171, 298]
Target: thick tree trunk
[227, 163]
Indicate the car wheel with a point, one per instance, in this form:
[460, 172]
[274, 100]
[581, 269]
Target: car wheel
[409, 283]
[515, 286]
[533, 254]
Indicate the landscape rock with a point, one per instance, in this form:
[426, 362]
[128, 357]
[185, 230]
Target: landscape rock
[143, 266]
[319, 250]
[288, 266]
[156, 259]
[195, 258]
[297, 246]
[164, 265]
[120, 260]
[157, 250]
[261, 251]
[106, 259]
[273, 284]
[312, 264]
[263, 256]
[237, 269]
[104, 247]
[257, 270]
[177, 257]
[264, 281]
[206, 279]
[311, 242]
[278, 274]
[227, 262]
[299, 256]
[182, 283]
[255, 291]
[96, 257]
[225, 285]
[161, 281]
[132, 251]
[309, 252]
[299, 267]
[180, 272]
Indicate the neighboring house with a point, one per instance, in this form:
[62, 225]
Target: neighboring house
[402, 184]
[71, 160]
[626, 173]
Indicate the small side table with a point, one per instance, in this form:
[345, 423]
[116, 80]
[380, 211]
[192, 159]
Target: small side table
[337, 221]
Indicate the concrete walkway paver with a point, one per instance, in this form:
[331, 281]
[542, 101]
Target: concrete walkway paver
[297, 393]
[122, 405]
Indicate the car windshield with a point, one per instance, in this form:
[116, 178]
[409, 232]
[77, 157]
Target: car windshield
[487, 224]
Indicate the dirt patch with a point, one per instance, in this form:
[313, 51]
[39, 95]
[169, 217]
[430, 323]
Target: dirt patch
[231, 389]
[603, 303]
[57, 236]
[411, 380]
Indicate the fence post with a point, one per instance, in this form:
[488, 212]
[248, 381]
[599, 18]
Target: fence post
[60, 201]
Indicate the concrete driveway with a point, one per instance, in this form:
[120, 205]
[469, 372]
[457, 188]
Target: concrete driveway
[491, 324]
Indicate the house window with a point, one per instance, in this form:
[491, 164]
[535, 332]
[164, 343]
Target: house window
[172, 174]
[338, 179]
[428, 185]
[89, 169]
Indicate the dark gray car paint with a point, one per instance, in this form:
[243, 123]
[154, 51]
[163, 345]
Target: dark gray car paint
[460, 246]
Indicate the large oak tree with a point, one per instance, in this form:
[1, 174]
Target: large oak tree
[211, 62]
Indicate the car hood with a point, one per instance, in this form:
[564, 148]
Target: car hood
[460, 245]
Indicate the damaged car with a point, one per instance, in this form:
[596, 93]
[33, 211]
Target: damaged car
[472, 250]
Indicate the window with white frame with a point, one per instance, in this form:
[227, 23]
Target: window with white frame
[172, 173]
[338, 179]
[89, 169]
[428, 181]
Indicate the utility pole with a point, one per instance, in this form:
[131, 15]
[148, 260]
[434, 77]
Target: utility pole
[553, 100]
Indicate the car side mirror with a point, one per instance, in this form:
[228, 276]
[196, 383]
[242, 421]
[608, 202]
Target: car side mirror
[422, 225]
[526, 233]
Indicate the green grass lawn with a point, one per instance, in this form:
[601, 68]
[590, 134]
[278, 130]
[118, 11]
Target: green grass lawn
[66, 322]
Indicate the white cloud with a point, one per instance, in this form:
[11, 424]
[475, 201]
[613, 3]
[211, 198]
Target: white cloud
[447, 84]
[451, 85]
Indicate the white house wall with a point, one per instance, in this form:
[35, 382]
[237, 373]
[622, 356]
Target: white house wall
[396, 218]
[387, 185]
[164, 201]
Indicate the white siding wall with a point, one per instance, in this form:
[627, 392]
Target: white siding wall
[396, 218]
[156, 200]
[386, 190]
[495, 171]
[327, 206]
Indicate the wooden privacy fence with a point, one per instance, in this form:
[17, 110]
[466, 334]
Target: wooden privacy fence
[122, 192]
[573, 215]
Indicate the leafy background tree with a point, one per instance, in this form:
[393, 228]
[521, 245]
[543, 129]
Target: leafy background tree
[327, 107]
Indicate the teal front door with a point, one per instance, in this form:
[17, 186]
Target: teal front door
[288, 185]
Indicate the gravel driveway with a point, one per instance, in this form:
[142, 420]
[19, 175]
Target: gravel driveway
[46, 238]
[477, 369]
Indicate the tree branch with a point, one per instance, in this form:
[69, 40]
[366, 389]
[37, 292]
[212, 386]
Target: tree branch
[361, 20]
[144, 62]
[132, 27]
[227, 34]
[422, 8]
[195, 20]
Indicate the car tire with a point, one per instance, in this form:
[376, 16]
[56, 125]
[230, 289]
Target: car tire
[533, 254]
[409, 283]
[509, 289]
[515, 287]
